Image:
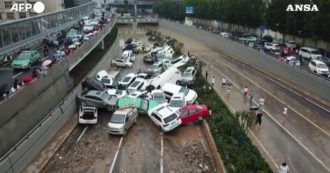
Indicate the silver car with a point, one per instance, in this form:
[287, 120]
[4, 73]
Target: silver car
[121, 120]
[100, 99]
[189, 76]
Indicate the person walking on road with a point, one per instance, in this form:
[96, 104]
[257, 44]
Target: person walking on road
[245, 93]
[223, 82]
[213, 81]
[284, 114]
[259, 116]
[228, 90]
[261, 102]
[206, 74]
[283, 168]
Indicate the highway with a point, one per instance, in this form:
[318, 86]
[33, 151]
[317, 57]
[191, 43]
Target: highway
[303, 141]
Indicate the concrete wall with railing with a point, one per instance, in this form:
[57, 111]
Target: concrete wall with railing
[31, 144]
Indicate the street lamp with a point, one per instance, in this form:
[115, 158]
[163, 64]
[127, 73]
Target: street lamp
[277, 24]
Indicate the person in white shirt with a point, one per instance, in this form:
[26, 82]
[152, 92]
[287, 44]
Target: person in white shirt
[261, 102]
[224, 82]
[284, 168]
[213, 81]
[285, 113]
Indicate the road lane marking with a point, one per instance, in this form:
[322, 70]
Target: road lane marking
[82, 133]
[279, 124]
[311, 122]
[161, 153]
[116, 155]
[17, 75]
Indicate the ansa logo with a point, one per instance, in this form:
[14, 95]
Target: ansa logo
[302, 7]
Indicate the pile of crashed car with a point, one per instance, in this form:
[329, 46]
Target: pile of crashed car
[162, 92]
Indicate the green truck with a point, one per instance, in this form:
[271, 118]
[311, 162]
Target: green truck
[142, 105]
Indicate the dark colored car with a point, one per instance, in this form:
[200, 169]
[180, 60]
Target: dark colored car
[93, 84]
[324, 59]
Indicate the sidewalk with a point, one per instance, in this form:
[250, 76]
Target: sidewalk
[271, 139]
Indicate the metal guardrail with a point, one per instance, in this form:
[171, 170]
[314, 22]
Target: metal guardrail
[143, 19]
[20, 33]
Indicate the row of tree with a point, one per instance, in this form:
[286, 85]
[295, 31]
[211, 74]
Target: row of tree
[253, 13]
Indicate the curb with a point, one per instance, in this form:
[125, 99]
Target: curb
[213, 148]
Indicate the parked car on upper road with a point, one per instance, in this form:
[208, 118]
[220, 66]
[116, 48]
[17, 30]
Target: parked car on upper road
[318, 67]
[272, 46]
[309, 53]
[26, 59]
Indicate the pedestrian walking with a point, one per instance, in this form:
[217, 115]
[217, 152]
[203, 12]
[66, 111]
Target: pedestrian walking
[245, 93]
[223, 81]
[206, 74]
[283, 168]
[259, 116]
[261, 102]
[284, 114]
[213, 81]
[228, 90]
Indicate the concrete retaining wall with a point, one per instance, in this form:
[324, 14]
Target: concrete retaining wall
[32, 144]
[306, 81]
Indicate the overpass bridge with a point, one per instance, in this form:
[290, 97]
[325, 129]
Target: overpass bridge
[34, 114]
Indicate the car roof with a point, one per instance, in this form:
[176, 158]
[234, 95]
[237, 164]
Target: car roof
[156, 91]
[102, 73]
[178, 96]
[94, 92]
[318, 61]
[308, 48]
[164, 111]
[124, 110]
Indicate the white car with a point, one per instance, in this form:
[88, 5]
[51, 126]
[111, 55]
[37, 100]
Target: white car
[156, 68]
[118, 93]
[165, 118]
[224, 34]
[177, 101]
[88, 28]
[138, 94]
[138, 85]
[272, 46]
[170, 89]
[319, 67]
[180, 61]
[189, 76]
[309, 53]
[128, 54]
[87, 114]
[127, 80]
[158, 96]
[122, 63]
[121, 120]
[102, 74]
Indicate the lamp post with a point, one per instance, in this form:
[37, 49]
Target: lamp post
[277, 24]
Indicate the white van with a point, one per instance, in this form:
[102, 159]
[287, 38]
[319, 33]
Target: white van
[309, 53]
[318, 67]
[172, 89]
[171, 75]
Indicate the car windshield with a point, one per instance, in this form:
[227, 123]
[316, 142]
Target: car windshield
[105, 80]
[315, 52]
[134, 84]
[176, 103]
[125, 55]
[153, 67]
[126, 79]
[159, 97]
[119, 92]
[186, 74]
[170, 118]
[105, 96]
[24, 56]
[184, 90]
[321, 66]
[117, 118]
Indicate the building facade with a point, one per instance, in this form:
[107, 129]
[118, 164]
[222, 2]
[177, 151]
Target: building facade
[7, 15]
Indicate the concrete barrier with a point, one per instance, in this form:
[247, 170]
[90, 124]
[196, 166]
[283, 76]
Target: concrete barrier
[213, 148]
[31, 144]
[297, 77]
